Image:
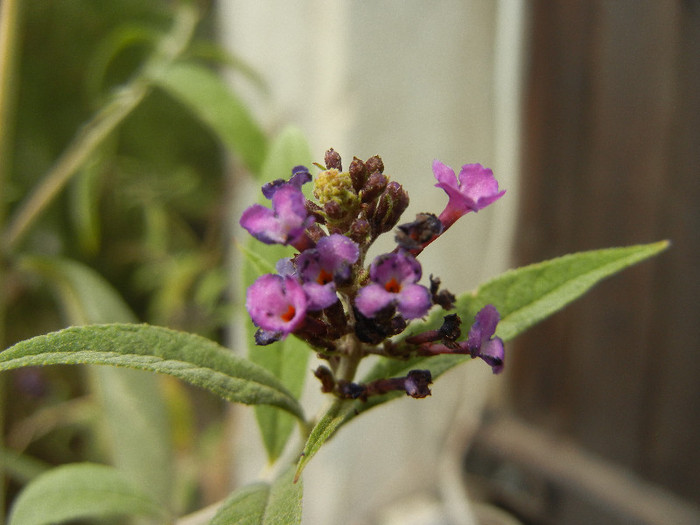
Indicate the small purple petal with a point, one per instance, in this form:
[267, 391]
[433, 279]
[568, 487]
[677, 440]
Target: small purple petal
[262, 224]
[393, 277]
[475, 189]
[335, 249]
[443, 173]
[413, 301]
[400, 267]
[276, 304]
[373, 298]
[319, 296]
[285, 223]
[322, 267]
[300, 176]
[481, 341]
[285, 267]
[493, 352]
[484, 326]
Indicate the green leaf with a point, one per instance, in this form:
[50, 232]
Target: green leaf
[278, 503]
[523, 296]
[287, 359]
[289, 149]
[338, 413]
[85, 296]
[133, 409]
[189, 357]
[216, 105]
[80, 491]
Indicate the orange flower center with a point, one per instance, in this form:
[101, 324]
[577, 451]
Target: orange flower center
[289, 314]
[324, 277]
[392, 286]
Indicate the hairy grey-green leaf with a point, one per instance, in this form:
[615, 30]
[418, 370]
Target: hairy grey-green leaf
[189, 357]
[81, 491]
[278, 503]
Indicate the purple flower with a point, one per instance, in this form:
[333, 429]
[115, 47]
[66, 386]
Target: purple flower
[276, 304]
[300, 176]
[322, 268]
[481, 342]
[393, 277]
[285, 223]
[475, 189]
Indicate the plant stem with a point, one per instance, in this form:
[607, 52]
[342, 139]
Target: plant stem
[9, 29]
[89, 138]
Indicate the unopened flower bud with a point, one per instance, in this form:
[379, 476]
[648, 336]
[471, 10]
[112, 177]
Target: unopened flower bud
[375, 185]
[333, 210]
[392, 203]
[325, 376]
[358, 174]
[333, 186]
[332, 160]
[359, 230]
[374, 164]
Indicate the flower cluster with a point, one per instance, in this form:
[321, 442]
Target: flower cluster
[325, 295]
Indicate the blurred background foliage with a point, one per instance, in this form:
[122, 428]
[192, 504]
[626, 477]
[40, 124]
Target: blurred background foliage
[143, 212]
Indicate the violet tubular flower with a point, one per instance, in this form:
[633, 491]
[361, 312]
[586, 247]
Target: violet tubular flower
[481, 341]
[285, 223]
[394, 277]
[322, 268]
[276, 304]
[473, 190]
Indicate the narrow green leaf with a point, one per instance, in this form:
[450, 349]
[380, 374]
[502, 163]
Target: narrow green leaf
[523, 296]
[84, 294]
[80, 491]
[21, 467]
[216, 105]
[189, 357]
[338, 412]
[278, 503]
[133, 409]
[287, 359]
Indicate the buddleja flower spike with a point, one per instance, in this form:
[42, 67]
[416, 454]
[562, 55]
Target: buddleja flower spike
[325, 295]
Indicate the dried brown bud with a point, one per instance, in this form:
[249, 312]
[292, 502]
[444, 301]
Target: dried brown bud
[325, 376]
[332, 160]
[416, 234]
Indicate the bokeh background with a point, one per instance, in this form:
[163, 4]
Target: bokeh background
[587, 112]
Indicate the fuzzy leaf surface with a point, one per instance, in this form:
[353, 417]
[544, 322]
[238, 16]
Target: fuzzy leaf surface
[523, 296]
[136, 426]
[273, 503]
[81, 491]
[189, 357]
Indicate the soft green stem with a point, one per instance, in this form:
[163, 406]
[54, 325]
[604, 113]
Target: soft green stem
[89, 138]
[9, 30]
